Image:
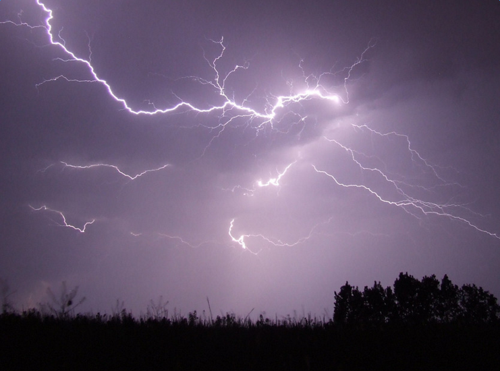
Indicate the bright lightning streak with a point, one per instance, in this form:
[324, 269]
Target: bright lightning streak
[395, 183]
[131, 177]
[414, 154]
[240, 240]
[407, 203]
[275, 181]
[218, 83]
[274, 242]
[232, 111]
[65, 223]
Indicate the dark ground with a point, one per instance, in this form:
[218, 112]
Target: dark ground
[33, 341]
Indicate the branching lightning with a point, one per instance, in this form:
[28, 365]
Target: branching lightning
[274, 242]
[116, 168]
[65, 223]
[415, 156]
[230, 111]
[218, 82]
[413, 206]
[275, 181]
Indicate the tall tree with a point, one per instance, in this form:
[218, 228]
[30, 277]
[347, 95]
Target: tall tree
[348, 304]
[406, 289]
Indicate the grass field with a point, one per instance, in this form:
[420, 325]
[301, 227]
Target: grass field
[32, 340]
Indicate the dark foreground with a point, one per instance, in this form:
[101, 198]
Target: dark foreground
[32, 341]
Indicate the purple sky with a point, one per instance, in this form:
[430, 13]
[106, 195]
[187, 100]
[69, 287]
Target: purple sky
[384, 156]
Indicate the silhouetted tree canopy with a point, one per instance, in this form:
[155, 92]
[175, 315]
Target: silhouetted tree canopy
[413, 301]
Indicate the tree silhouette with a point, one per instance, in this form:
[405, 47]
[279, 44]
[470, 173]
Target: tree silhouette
[415, 302]
[477, 305]
[448, 308]
[345, 304]
[378, 303]
[63, 306]
[373, 305]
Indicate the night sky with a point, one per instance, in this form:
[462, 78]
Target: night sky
[308, 143]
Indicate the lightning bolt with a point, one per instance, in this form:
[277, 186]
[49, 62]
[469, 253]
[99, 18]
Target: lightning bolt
[65, 223]
[275, 181]
[232, 112]
[414, 154]
[218, 82]
[240, 240]
[116, 168]
[411, 205]
[274, 242]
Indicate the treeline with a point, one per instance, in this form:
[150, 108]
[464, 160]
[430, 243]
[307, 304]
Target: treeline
[412, 301]
[414, 325]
